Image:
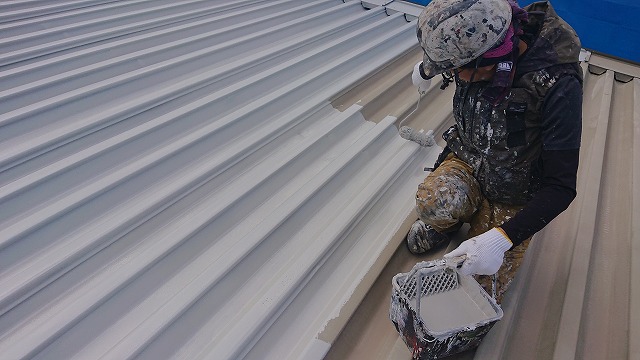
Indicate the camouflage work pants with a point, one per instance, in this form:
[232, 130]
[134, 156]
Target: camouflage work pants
[450, 195]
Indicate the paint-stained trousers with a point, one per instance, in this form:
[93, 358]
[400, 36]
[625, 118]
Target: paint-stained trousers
[449, 196]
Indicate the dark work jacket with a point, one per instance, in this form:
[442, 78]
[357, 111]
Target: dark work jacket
[503, 142]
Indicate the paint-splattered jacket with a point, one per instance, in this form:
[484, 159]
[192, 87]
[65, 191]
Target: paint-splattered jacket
[503, 143]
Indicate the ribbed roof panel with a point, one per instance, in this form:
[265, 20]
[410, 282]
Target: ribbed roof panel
[176, 183]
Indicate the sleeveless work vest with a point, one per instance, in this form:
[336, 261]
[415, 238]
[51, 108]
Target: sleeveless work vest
[503, 142]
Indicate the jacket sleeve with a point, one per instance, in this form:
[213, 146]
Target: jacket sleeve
[561, 132]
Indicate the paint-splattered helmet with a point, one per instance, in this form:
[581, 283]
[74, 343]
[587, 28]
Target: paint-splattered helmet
[453, 33]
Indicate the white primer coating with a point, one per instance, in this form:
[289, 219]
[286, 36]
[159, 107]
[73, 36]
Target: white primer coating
[455, 309]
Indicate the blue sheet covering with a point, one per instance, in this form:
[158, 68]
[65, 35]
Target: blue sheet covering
[611, 27]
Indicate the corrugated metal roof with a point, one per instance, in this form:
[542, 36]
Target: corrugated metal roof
[209, 179]
[176, 183]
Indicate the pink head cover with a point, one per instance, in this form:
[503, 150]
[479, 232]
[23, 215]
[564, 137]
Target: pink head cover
[506, 46]
[502, 49]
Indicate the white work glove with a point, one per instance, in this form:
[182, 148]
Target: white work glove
[484, 252]
[421, 83]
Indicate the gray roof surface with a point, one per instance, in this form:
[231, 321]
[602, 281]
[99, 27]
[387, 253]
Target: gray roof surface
[176, 183]
[224, 179]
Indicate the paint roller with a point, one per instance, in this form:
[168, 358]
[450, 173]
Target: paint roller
[419, 137]
[422, 138]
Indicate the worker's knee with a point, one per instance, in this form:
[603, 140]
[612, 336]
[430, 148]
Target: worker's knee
[439, 205]
[448, 196]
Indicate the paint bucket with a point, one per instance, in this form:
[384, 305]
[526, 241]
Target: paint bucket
[439, 312]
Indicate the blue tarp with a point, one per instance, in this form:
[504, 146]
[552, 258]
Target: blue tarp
[608, 26]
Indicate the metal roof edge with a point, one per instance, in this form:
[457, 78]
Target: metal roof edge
[624, 70]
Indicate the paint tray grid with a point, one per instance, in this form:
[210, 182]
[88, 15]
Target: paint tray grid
[441, 281]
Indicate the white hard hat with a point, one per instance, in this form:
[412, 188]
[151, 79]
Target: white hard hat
[453, 33]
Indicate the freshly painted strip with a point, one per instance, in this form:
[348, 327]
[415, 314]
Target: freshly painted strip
[16, 10]
[51, 322]
[136, 329]
[27, 224]
[51, 40]
[229, 39]
[86, 124]
[29, 276]
[113, 51]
